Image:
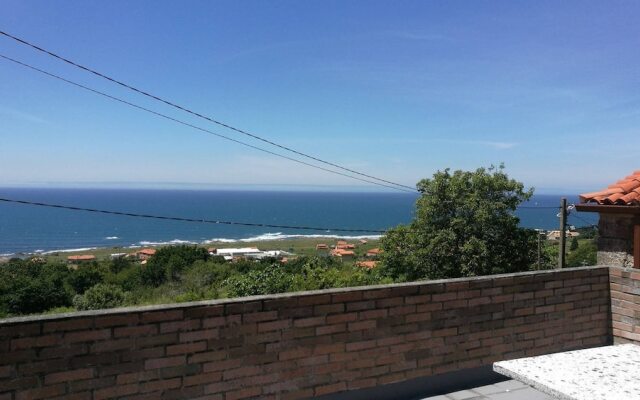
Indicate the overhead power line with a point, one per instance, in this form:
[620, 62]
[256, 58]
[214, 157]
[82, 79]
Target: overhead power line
[158, 114]
[202, 221]
[199, 115]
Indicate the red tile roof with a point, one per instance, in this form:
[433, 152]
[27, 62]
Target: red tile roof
[147, 252]
[342, 252]
[367, 264]
[83, 257]
[624, 192]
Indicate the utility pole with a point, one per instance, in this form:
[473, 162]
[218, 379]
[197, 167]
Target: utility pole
[563, 231]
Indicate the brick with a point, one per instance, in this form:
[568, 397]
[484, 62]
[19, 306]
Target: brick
[295, 353]
[354, 295]
[41, 393]
[330, 329]
[161, 316]
[78, 374]
[307, 322]
[204, 311]
[160, 385]
[444, 296]
[347, 317]
[186, 348]
[164, 362]
[176, 326]
[139, 330]
[243, 393]
[204, 334]
[274, 325]
[361, 325]
[115, 391]
[67, 325]
[362, 345]
[260, 316]
[314, 299]
[35, 341]
[327, 389]
[87, 336]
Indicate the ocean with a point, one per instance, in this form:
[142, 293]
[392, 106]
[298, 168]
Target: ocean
[31, 229]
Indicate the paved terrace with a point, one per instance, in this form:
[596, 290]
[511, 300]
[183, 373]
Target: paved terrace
[507, 390]
[389, 341]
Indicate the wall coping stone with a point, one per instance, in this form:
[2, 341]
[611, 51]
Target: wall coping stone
[248, 299]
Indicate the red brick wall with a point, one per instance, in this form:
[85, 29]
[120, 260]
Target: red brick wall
[304, 344]
[625, 304]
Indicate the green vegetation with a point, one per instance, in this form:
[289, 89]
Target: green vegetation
[464, 226]
[173, 274]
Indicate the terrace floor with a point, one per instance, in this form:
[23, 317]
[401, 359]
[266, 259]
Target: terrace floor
[507, 390]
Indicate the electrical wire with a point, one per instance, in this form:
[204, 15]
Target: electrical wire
[158, 114]
[199, 115]
[167, 218]
[584, 220]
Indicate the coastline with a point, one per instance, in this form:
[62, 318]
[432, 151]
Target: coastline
[303, 244]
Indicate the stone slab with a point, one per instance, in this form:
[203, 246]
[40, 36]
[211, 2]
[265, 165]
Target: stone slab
[609, 372]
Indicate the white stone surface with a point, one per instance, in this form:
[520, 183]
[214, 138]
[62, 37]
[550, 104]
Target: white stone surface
[610, 372]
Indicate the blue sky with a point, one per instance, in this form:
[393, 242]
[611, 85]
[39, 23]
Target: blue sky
[395, 89]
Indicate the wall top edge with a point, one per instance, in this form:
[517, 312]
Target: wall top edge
[250, 299]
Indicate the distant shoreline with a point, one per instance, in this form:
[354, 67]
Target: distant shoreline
[267, 241]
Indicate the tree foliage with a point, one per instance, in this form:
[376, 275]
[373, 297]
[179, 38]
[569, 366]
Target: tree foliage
[464, 225]
[169, 262]
[100, 296]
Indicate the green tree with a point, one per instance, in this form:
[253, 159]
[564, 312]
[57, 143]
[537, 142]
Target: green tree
[585, 254]
[169, 262]
[464, 225]
[85, 277]
[574, 244]
[27, 287]
[100, 296]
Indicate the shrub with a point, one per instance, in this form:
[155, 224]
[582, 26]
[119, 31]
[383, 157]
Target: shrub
[100, 296]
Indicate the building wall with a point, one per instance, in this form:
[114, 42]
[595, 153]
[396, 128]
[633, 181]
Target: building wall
[625, 304]
[615, 240]
[303, 345]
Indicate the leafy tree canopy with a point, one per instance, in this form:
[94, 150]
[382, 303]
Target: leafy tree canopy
[464, 225]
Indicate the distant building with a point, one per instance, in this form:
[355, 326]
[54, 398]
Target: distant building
[363, 241]
[145, 254]
[367, 264]
[555, 235]
[250, 253]
[346, 246]
[343, 255]
[83, 258]
[373, 253]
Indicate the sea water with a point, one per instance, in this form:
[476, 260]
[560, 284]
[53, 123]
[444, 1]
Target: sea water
[28, 229]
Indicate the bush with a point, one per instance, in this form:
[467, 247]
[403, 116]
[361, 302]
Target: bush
[100, 296]
[268, 280]
[169, 262]
[85, 277]
[27, 288]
